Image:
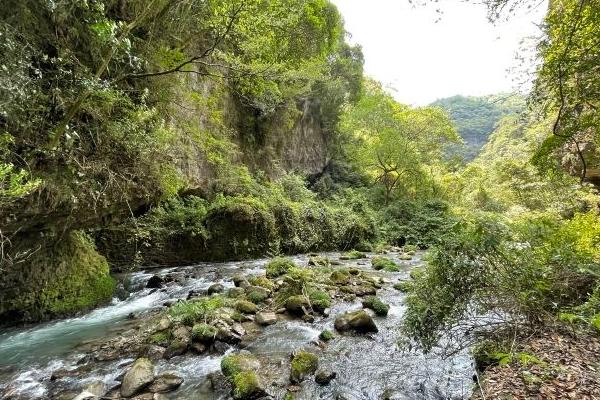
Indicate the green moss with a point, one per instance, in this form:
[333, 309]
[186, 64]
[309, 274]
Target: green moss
[303, 364]
[204, 333]
[319, 261]
[262, 281]
[279, 266]
[405, 257]
[340, 277]
[319, 300]
[160, 338]
[375, 304]
[245, 385]
[256, 296]
[384, 263]
[233, 364]
[245, 307]
[354, 255]
[56, 280]
[236, 292]
[295, 304]
[326, 335]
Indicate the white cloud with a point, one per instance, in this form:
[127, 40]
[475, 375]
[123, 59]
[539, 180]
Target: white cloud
[425, 60]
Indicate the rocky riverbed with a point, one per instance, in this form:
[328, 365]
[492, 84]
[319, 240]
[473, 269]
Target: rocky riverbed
[313, 326]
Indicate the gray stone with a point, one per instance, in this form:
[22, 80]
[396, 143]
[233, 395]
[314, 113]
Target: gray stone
[324, 376]
[216, 288]
[139, 376]
[358, 321]
[265, 318]
[165, 382]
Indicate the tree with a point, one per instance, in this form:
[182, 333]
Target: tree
[393, 142]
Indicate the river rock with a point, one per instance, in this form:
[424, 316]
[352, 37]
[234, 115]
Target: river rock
[163, 324]
[240, 281]
[324, 376]
[216, 288]
[155, 282]
[182, 334]
[358, 321]
[155, 352]
[176, 348]
[297, 304]
[165, 382]
[265, 318]
[246, 307]
[139, 376]
[303, 364]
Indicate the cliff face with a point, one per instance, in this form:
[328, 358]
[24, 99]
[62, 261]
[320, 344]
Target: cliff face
[52, 270]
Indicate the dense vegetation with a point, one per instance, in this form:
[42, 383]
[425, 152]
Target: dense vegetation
[525, 253]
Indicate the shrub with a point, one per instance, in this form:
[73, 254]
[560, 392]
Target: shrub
[527, 269]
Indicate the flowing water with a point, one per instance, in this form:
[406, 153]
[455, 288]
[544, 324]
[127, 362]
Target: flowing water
[367, 367]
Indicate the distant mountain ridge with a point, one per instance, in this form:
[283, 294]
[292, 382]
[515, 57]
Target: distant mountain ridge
[476, 118]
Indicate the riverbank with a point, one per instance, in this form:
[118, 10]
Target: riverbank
[553, 364]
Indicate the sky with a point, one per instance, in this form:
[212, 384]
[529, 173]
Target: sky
[422, 60]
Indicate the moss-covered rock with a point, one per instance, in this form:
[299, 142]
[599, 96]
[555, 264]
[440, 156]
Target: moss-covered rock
[303, 365]
[55, 280]
[246, 307]
[417, 273]
[353, 255]
[319, 300]
[340, 277]
[262, 281]
[241, 370]
[384, 263]
[257, 294]
[236, 292]
[375, 304]
[279, 266]
[247, 385]
[357, 321]
[326, 335]
[297, 304]
[318, 261]
[204, 333]
[239, 228]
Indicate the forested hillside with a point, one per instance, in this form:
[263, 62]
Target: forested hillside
[477, 117]
[211, 198]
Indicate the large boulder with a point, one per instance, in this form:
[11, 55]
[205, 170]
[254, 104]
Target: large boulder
[358, 321]
[166, 382]
[138, 377]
